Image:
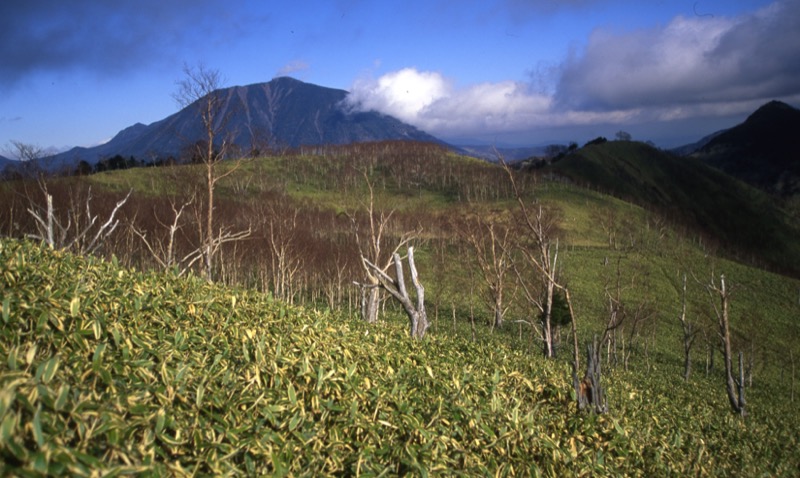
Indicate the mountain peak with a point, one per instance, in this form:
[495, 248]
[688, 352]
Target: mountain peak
[285, 79]
[773, 111]
[761, 150]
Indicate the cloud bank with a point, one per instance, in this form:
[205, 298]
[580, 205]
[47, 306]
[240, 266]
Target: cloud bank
[688, 61]
[695, 66]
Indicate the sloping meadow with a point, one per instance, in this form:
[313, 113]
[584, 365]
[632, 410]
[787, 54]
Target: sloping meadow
[108, 370]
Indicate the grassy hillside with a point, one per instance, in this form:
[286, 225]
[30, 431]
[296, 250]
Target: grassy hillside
[109, 370]
[740, 218]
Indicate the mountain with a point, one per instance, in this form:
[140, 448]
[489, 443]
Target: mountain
[761, 151]
[742, 218]
[280, 113]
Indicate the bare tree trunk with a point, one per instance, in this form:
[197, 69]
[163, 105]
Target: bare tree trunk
[200, 88]
[740, 385]
[208, 246]
[73, 235]
[689, 335]
[576, 361]
[791, 357]
[371, 253]
[370, 303]
[546, 323]
[453, 306]
[590, 390]
[417, 316]
[735, 397]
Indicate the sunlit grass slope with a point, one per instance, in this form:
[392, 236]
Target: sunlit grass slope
[687, 191]
[107, 370]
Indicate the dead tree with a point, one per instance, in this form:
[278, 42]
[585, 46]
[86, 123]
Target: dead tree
[73, 233]
[590, 391]
[370, 250]
[576, 361]
[417, 316]
[540, 227]
[164, 253]
[30, 159]
[286, 261]
[689, 335]
[539, 250]
[643, 312]
[735, 390]
[491, 243]
[201, 90]
[617, 313]
[791, 394]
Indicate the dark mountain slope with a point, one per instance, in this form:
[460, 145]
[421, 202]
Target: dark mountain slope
[762, 151]
[743, 219]
[283, 112]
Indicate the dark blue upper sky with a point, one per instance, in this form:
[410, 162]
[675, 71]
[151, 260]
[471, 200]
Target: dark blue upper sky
[509, 72]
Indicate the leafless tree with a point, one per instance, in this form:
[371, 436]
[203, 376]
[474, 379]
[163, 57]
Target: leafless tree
[417, 316]
[29, 157]
[164, 251]
[539, 227]
[286, 262]
[734, 388]
[84, 235]
[608, 221]
[689, 335]
[590, 391]
[200, 89]
[491, 242]
[77, 228]
[370, 248]
[539, 251]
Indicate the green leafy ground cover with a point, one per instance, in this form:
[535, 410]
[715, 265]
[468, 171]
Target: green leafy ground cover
[111, 371]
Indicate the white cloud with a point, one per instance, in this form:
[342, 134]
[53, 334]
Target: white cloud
[430, 101]
[404, 94]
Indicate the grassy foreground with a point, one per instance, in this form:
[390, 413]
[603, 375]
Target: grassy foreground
[110, 371]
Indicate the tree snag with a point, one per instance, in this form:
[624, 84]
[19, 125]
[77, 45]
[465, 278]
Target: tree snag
[201, 89]
[417, 316]
[589, 390]
[689, 335]
[735, 391]
[370, 251]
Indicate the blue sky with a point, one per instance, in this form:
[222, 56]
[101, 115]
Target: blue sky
[505, 72]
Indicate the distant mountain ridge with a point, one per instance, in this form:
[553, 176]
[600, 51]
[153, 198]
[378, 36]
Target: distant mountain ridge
[283, 112]
[489, 153]
[761, 151]
[690, 148]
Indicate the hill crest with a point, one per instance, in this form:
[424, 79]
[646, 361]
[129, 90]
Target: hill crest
[745, 220]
